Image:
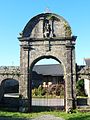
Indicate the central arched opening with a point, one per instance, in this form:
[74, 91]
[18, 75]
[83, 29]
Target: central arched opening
[47, 83]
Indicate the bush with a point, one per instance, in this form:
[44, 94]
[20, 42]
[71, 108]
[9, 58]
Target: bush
[80, 88]
[52, 90]
[56, 89]
[40, 91]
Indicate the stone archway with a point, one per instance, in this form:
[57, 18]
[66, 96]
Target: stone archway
[49, 99]
[47, 35]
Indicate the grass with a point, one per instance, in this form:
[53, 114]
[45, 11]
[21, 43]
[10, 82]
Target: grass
[73, 116]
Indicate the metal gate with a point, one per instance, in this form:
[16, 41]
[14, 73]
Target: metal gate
[48, 91]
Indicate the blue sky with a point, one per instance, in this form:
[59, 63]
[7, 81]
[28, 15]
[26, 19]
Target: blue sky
[14, 15]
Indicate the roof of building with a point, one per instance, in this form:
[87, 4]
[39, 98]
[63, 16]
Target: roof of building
[87, 61]
[51, 69]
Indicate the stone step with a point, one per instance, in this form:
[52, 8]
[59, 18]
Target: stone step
[83, 108]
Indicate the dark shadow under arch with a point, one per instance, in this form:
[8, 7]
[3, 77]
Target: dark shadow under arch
[10, 85]
[9, 94]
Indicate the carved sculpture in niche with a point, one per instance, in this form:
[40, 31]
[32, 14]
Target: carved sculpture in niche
[48, 29]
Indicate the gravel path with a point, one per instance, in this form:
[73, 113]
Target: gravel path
[48, 117]
[43, 117]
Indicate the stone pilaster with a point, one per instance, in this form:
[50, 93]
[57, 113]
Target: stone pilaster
[69, 79]
[24, 69]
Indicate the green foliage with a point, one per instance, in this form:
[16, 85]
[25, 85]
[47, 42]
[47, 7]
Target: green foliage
[67, 29]
[40, 91]
[80, 88]
[73, 116]
[51, 91]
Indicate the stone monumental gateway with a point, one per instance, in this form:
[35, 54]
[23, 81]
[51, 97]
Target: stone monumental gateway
[47, 35]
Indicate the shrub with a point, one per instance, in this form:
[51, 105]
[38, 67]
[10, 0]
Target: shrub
[80, 88]
[52, 90]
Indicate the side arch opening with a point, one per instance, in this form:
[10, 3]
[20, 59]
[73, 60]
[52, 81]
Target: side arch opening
[10, 94]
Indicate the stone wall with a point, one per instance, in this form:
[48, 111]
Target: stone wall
[9, 72]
